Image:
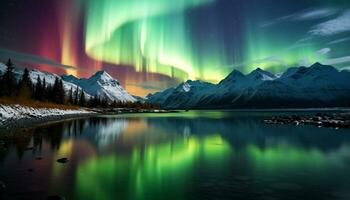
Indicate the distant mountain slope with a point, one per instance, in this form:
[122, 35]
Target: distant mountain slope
[101, 84]
[315, 86]
[49, 78]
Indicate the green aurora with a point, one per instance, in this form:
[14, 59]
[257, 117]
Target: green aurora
[161, 37]
[149, 168]
[150, 45]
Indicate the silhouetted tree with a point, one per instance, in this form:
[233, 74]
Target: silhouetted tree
[8, 80]
[58, 92]
[38, 91]
[70, 96]
[25, 86]
[82, 100]
[76, 96]
[44, 91]
[61, 92]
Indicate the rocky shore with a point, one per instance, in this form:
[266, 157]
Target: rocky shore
[13, 125]
[335, 120]
[14, 117]
[114, 111]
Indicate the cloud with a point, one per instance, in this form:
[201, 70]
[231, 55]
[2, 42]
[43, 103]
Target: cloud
[334, 26]
[269, 59]
[299, 44]
[306, 15]
[345, 68]
[274, 59]
[339, 60]
[32, 59]
[337, 41]
[323, 51]
[316, 14]
[149, 86]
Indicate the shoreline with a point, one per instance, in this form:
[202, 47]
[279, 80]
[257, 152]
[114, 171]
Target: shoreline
[17, 117]
[22, 117]
[334, 120]
[28, 120]
[10, 126]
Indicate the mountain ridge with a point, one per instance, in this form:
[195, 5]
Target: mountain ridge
[101, 83]
[315, 86]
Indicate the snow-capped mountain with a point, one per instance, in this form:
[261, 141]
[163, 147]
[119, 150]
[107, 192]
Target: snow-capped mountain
[49, 78]
[315, 86]
[183, 96]
[101, 83]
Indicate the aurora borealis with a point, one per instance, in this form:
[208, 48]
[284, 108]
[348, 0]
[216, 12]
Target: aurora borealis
[149, 45]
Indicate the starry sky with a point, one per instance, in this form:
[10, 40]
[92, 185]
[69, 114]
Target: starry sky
[149, 45]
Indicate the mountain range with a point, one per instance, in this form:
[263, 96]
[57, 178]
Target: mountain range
[101, 83]
[298, 87]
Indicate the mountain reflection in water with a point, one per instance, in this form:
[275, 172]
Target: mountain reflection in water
[192, 155]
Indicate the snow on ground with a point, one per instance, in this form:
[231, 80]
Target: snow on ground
[17, 112]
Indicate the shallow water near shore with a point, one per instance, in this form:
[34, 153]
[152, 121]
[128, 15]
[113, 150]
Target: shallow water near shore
[185, 155]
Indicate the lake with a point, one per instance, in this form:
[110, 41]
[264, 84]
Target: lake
[186, 155]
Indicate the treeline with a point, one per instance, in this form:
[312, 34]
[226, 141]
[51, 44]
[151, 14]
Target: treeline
[24, 89]
[41, 91]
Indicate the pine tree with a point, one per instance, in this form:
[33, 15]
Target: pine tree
[70, 96]
[54, 92]
[76, 96]
[61, 92]
[8, 79]
[38, 92]
[25, 86]
[82, 99]
[93, 102]
[44, 95]
[58, 94]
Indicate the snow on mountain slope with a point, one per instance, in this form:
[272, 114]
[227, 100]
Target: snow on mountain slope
[318, 85]
[102, 84]
[238, 81]
[185, 95]
[160, 97]
[49, 78]
[2, 68]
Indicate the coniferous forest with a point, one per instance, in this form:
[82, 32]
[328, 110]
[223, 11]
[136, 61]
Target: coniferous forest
[24, 90]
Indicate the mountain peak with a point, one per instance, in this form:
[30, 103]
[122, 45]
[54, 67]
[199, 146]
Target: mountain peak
[262, 74]
[69, 78]
[317, 64]
[319, 68]
[102, 73]
[235, 73]
[103, 77]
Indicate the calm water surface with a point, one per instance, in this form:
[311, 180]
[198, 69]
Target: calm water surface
[190, 155]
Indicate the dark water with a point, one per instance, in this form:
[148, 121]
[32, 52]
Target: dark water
[192, 155]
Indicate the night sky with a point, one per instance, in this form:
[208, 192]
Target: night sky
[149, 45]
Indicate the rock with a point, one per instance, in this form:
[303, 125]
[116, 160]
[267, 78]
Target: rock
[62, 160]
[317, 118]
[337, 120]
[55, 197]
[296, 123]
